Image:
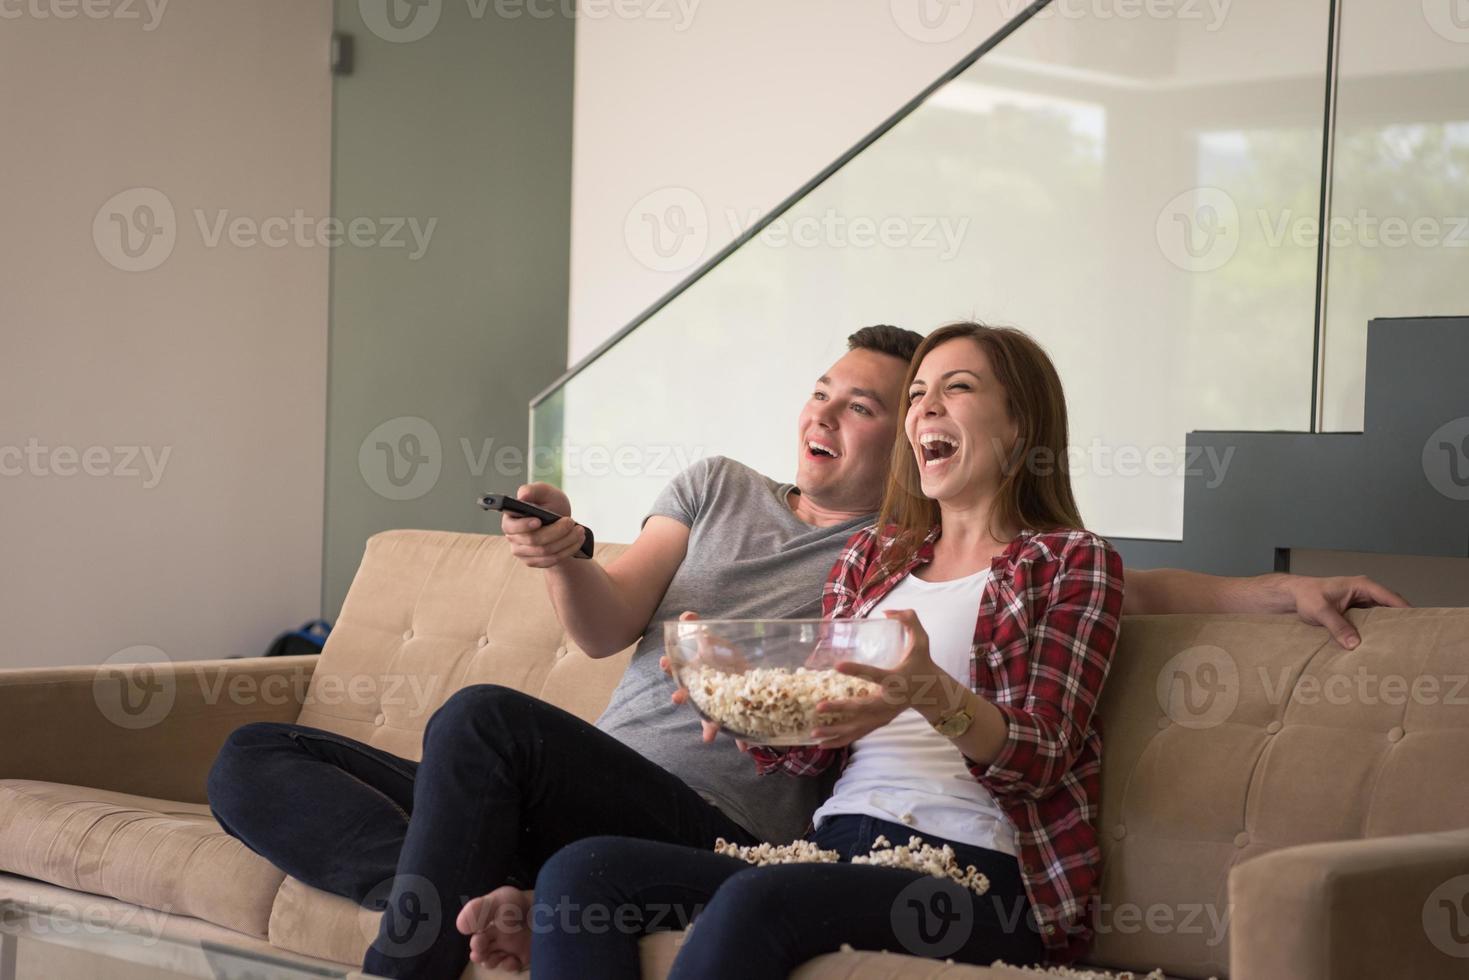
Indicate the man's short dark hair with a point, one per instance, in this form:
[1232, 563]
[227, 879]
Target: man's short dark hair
[886, 339]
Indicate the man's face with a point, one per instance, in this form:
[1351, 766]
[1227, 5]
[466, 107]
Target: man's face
[847, 429]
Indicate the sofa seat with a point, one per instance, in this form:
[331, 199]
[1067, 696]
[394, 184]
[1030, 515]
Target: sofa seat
[159, 854]
[314, 923]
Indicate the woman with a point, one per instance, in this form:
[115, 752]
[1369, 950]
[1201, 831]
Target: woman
[983, 738]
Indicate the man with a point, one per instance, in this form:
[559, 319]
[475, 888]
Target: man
[506, 780]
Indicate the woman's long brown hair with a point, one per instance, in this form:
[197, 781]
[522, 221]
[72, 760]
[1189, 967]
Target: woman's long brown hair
[1035, 488]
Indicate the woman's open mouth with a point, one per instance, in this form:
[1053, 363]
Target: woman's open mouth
[937, 448]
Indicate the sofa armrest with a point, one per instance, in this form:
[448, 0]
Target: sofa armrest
[1380, 907]
[147, 729]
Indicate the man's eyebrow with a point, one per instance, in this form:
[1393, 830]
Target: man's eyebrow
[859, 392]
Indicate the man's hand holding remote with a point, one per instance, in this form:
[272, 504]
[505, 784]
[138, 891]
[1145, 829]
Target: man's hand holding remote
[538, 545]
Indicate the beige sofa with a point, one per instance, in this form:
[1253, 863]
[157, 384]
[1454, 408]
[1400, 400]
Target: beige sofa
[1274, 807]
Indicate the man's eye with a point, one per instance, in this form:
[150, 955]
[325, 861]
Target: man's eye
[819, 396]
[862, 409]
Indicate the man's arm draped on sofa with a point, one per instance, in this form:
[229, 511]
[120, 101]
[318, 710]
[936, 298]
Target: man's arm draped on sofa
[1318, 601]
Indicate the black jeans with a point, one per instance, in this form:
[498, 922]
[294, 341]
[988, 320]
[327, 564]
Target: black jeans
[596, 898]
[506, 780]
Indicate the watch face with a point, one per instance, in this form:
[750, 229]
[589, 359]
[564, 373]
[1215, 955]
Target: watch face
[955, 724]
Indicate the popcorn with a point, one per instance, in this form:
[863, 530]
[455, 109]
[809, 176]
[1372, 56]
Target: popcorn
[772, 705]
[1081, 973]
[918, 856]
[914, 856]
[796, 852]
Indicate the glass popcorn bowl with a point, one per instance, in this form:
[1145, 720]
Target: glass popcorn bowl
[761, 679]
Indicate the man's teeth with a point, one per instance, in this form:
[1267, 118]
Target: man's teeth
[821, 447]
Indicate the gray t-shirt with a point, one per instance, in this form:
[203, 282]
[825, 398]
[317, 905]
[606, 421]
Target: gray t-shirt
[749, 557]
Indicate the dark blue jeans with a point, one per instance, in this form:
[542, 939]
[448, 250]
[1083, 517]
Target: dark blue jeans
[598, 897]
[505, 782]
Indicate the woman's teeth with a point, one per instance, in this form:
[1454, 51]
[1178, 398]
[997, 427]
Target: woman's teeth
[937, 447]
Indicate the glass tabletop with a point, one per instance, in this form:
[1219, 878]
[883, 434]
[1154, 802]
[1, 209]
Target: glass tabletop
[39, 943]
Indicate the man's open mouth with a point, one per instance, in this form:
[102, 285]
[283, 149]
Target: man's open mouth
[936, 447]
[821, 450]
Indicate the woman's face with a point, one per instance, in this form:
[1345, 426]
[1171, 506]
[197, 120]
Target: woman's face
[958, 424]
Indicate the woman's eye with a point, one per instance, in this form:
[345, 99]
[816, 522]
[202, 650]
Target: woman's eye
[959, 386]
[819, 396]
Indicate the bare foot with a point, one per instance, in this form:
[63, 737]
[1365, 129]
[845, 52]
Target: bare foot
[495, 924]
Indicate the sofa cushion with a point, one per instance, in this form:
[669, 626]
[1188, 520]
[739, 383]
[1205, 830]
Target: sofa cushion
[432, 612]
[317, 923]
[155, 853]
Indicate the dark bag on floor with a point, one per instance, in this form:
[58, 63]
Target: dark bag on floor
[308, 639]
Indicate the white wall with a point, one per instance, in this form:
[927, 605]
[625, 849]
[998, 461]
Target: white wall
[736, 101]
[213, 360]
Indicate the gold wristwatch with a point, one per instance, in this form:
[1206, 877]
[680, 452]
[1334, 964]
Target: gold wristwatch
[954, 724]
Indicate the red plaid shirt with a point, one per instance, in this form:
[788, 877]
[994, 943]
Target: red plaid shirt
[1047, 626]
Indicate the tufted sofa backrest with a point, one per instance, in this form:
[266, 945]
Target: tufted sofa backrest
[430, 612]
[1228, 736]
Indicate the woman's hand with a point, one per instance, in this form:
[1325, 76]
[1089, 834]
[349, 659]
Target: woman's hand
[915, 678]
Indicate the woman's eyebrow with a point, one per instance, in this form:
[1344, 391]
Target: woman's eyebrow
[948, 374]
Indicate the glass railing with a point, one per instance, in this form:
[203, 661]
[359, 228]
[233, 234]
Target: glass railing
[1127, 190]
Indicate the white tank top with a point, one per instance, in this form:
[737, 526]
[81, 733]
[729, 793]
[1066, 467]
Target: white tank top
[907, 772]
